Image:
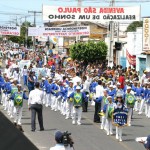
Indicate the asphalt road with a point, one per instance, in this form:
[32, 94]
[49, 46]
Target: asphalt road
[88, 136]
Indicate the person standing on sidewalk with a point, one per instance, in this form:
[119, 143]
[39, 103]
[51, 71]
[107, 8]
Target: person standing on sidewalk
[35, 104]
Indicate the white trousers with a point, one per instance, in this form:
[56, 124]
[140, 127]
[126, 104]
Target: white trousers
[63, 108]
[109, 126]
[148, 110]
[18, 114]
[119, 133]
[129, 116]
[69, 109]
[77, 113]
[53, 101]
[137, 103]
[142, 106]
[103, 124]
[48, 100]
[11, 108]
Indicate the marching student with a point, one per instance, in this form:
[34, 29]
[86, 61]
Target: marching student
[78, 98]
[14, 89]
[103, 103]
[129, 101]
[109, 109]
[69, 102]
[119, 107]
[18, 98]
[139, 92]
[48, 93]
[148, 102]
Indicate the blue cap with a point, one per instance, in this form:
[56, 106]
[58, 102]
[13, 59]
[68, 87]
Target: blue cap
[59, 136]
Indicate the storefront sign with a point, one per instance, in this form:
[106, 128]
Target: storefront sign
[9, 30]
[146, 34]
[91, 13]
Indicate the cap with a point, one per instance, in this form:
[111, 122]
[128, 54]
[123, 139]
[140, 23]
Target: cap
[118, 83]
[78, 88]
[59, 136]
[114, 86]
[11, 80]
[109, 97]
[111, 86]
[128, 88]
[19, 85]
[71, 81]
[43, 78]
[126, 80]
[119, 95]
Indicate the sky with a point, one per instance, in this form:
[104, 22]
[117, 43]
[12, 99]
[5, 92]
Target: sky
[22, 7]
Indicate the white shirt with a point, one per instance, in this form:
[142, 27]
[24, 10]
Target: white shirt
[75, 80]
[86, 86]
[99, 91]
[35, 97]
[60, 147]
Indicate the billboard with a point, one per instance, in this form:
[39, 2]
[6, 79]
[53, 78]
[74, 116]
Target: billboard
[56, 13]
[9, 30]
[60, 31]
[146, 34]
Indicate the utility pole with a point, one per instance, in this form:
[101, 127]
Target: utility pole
[34, 13]
[111, 24]
[26, 34]
[78, 23]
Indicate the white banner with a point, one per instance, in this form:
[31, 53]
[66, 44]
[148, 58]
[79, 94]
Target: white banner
[91, 13]
[146, 34]
[9, 30]
[61, 31]
[34, 31]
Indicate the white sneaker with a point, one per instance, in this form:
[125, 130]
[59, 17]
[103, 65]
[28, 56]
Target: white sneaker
[73, 122]
[102, 127]
[107, 133]
[11, 116]
[117, 137]
[67, 118]
[139, 113]
[129, 125]
[111, 133]
[79, 123]
[120, 139]
[46, 105]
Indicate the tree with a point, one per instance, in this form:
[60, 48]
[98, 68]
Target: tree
[132, 27]
[89, 52]
[21, 39]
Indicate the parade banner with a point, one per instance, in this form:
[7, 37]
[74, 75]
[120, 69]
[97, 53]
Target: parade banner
[34, 31]
[91, 13]
[146, 34]
[22, 63]
[120, 118]
[9, 30]
[66, 31]
[60, 31]
[131, 58]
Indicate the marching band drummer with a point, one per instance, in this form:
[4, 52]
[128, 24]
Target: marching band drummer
[119, 107]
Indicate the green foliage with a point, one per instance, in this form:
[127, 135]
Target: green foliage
[89, 52]
[132, 27]
[21, 39]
